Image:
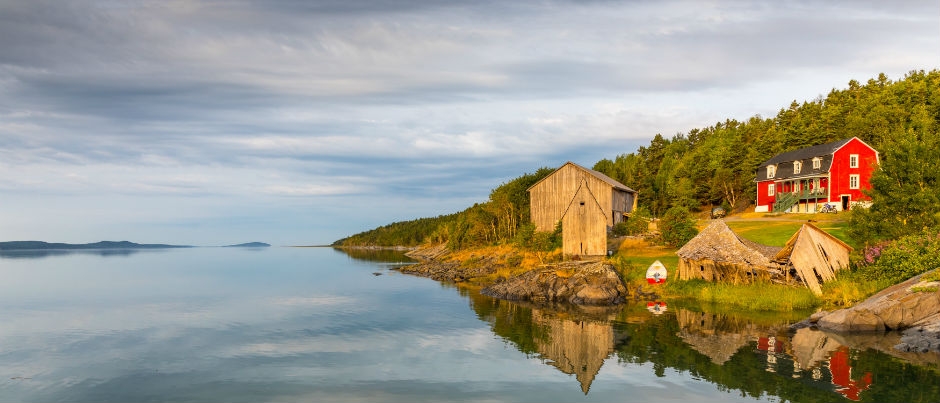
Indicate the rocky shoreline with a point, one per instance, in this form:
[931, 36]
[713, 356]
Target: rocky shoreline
[594, 282]
[909, 307]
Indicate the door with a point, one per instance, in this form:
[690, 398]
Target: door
[845, 202]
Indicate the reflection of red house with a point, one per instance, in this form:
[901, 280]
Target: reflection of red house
[841, 371]
[805, 179]
[770, 344]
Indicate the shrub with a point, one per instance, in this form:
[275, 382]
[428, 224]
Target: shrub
[902, 259]
[677, 227]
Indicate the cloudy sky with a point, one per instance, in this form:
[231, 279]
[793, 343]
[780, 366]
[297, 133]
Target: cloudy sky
[211, 122]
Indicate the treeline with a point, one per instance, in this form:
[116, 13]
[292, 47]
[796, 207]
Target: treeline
[716, 165]
[498, 219]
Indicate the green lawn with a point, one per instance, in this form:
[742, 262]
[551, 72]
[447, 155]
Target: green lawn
[777, 233]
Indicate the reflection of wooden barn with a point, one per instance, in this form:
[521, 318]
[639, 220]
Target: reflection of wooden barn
[587, 203]
[718, 254]
[814, 256]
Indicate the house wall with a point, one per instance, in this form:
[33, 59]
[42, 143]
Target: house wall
[762, 199]
[839, 174]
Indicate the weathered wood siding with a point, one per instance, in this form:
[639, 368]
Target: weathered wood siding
[816, 257]
[550, 197]
[621, 203]
[709, 270]
[584, 226]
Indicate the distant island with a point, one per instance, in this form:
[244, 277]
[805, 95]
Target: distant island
[39, 245]
[249, 245]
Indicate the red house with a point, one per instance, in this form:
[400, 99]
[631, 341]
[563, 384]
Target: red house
[807, 179]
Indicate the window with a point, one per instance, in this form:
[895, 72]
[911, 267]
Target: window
[771, 189]
[853, 161]
[771, 171]
[797, 167]
[853, 181]
[817, 163]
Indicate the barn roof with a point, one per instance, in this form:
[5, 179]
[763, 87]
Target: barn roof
[719, 243]
[610, 181]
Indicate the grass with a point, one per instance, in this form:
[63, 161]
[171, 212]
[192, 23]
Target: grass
[752, 297]
[850, 288]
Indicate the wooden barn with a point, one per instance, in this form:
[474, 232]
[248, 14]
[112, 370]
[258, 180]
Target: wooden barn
[814, 256]
[587, 202]
[718, 254]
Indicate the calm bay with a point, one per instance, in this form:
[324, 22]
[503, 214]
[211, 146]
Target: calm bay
[289, 324]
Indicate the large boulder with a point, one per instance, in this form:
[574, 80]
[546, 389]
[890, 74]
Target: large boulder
[594, 283]
[898, 307]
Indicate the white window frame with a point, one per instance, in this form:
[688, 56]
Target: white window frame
[853, 181]
[771, 189]
[797, 167]
[817, 163]
[853, 160]
[771, 171]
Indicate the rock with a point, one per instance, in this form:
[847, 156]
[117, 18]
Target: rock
[594, 283]
[848, 320]
[898, 307]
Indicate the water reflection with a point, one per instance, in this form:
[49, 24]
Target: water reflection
[44, 253]
[388, 257]
[755, 355]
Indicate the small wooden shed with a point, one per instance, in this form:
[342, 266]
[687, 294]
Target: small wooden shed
[587, 203]
[815, 256]
[718, 254]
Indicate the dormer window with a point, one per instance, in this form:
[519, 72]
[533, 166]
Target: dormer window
[771, 171]
[797, 167]
[817, 163]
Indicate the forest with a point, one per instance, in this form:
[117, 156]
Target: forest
[715, 166]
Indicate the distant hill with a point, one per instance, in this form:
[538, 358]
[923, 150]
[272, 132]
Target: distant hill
[39, 245]
[249, 245]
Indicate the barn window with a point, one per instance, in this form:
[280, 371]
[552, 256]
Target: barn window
[853, 181]
[853, 161]
[582, 203]
[771, 189]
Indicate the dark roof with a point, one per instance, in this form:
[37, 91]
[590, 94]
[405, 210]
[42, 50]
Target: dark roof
[807, 153]
[784, 161]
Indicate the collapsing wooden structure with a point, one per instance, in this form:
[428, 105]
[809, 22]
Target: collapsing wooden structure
[811, 257]
[718, 254]
[814, 255]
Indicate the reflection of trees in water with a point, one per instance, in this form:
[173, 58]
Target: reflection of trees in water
[772, 361]
[757, 356]
[377, 255]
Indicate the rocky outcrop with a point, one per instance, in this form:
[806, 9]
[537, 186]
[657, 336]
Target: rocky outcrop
[593, 283]
[912, 306]
[583, 283]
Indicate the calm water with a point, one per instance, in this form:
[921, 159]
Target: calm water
[289, 324]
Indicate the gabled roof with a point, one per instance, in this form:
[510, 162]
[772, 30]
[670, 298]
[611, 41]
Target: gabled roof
[807, 153]
[606, 179]
[720, 244]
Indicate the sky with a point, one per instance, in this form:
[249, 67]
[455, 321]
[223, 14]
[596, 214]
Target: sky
[211, 122]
